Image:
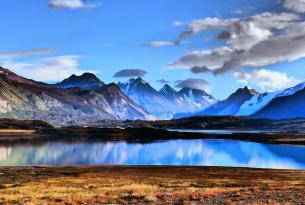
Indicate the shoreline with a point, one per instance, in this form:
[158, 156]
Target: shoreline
[149, 185]
[141, 135]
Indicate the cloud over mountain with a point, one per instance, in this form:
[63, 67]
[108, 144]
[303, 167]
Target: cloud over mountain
[192, 83]
[129, 73]
[266, 79]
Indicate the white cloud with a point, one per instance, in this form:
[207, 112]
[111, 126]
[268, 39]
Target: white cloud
[47, 69]
[242, 77]
[160, 43]
[71, 4]
[259, 40]
[266, 79]
[295, 5]
[24, 53]
[243, 10]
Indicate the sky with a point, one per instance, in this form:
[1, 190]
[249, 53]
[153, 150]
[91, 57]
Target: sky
[217, 45]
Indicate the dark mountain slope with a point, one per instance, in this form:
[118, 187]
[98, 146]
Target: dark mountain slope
[87, 81]
[292, 106]
[231, 105]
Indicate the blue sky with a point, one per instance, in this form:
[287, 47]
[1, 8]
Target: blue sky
[112, 35]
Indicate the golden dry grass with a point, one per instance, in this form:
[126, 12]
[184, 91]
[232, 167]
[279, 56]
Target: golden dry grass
[150, 185]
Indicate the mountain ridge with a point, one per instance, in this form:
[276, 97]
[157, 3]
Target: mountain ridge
[228, 106]
[167, 101]
[25, 99]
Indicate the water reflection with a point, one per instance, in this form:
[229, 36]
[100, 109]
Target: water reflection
[174, 152]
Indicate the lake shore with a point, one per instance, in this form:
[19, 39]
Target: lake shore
[140, 135]
[150, 184]
[289, 132]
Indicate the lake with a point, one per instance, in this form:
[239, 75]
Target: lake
[173, 152]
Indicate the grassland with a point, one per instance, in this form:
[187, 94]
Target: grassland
[150, 185]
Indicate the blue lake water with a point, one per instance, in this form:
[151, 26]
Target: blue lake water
[173, 152]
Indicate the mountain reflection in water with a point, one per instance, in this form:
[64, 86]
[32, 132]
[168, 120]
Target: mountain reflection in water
[173, 152]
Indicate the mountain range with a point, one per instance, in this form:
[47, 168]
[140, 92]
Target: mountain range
[85, 100]
[166, 102]
[283, 104]
[21, 98]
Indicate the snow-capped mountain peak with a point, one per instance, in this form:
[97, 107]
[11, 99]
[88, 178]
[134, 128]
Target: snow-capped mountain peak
[195, 95]
[167, 101]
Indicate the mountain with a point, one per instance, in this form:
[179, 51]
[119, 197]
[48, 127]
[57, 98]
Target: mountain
[167, 101]
[259, 101]
[256, 103]
[168, 92]
[86, 81]
[24, 99]
[115, 102]
[147, 97]
[196, 97]
[287, 104]
[231, 105]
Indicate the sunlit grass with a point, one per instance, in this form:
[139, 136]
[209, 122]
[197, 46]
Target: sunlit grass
[143, 186]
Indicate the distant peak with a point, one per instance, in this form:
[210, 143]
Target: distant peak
[137, 80]
[167, 89]
[252, 91]
[245, 91]
[167, 86]
[87, 81]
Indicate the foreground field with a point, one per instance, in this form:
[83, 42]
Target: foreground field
[150, 185]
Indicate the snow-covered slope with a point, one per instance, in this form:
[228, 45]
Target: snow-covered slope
[259, 101]
[289, 104]
[231, 105]
[256, 103]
